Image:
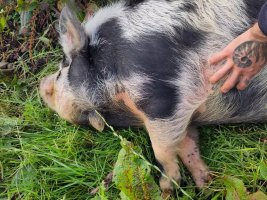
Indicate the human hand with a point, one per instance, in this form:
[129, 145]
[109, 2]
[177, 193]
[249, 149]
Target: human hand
[244, 57]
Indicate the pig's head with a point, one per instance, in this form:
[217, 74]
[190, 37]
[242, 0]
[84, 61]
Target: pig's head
[70, 91]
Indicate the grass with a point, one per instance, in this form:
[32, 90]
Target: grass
[44, 157]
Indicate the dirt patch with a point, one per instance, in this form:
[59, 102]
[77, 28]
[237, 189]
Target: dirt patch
[40, 34]
[15, 46]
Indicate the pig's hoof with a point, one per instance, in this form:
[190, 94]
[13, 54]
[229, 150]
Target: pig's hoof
[203, 178]
[167, 185]
[166, 194]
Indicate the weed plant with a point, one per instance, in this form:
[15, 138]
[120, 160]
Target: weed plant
[44, 157]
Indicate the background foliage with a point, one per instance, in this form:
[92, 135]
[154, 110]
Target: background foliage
[44, 157]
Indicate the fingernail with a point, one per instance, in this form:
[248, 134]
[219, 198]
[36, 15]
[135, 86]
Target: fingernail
[211, 80]
[224, 90]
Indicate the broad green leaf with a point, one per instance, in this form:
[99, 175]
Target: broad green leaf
[8, 125]
[235, 189]
[25, 178]
[20, 2]
[123, 196]
[2, 23]
[23, 5]
[263, 170]
[32, 6]
[132, 175]
[257, 196]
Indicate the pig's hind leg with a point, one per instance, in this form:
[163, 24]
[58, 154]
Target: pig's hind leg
[188, 151]
[167, 151]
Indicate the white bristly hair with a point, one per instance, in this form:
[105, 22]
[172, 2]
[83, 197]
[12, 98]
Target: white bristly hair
[92, 24]
[155, 16]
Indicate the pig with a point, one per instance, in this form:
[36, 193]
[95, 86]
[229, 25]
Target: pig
[144, 63]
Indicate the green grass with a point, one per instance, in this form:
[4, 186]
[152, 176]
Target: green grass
[44, 157]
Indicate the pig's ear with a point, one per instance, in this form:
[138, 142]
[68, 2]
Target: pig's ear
[72, 34]
[96, 121]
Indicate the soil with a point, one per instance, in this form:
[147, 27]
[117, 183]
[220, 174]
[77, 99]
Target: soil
[15, 46]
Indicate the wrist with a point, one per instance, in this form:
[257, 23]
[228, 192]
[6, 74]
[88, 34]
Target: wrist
[257, 33]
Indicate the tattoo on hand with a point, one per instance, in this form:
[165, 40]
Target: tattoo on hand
[250, 53]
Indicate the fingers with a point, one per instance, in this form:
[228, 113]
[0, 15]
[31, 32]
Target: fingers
[217, 57]
[230, 82]
[221, 72]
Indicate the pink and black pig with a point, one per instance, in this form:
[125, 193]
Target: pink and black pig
[144, 63]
